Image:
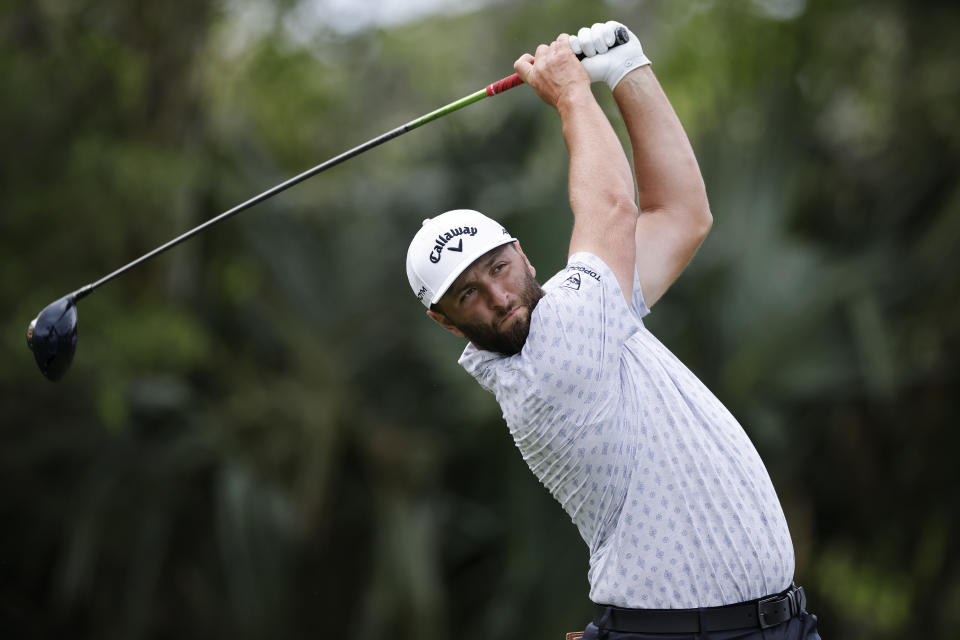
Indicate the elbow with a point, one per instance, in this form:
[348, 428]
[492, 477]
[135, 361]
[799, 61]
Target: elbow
[611, 210]
[622, 216]
[697, 224]
[696, 209]
[704, 222]
[625, 207]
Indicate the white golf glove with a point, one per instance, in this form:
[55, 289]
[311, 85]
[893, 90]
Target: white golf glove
[603, 63]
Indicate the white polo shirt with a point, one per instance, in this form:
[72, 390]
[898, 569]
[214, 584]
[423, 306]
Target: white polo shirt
[667, 490]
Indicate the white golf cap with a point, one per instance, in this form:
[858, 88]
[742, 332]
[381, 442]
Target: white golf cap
[445, 246]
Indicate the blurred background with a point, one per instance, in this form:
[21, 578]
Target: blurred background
[262, 436]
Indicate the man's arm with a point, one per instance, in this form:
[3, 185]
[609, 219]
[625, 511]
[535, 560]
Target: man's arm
[675, 215]
[601, 184]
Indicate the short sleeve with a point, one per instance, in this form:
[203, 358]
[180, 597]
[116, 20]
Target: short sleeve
[639, 305]
[579, 327]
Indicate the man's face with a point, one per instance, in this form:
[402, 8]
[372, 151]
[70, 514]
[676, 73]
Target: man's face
[491, 302]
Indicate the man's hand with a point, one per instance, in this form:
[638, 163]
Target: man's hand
[557, 73]
[603, 63]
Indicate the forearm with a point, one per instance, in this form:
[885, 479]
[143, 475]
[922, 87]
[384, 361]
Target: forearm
[601, 183]
[668, 177]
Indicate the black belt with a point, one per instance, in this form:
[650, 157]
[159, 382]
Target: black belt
[759, 614]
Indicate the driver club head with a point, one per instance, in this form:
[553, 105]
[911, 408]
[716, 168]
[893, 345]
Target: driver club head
[52, 336]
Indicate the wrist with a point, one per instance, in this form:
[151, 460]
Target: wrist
[574, 97]
[634, 82]
[626, 67]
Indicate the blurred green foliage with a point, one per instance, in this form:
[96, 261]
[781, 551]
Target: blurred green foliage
[262, 436]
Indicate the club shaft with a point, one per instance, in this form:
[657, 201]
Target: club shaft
[493, 89]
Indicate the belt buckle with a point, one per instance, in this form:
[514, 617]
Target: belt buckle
[776, 599]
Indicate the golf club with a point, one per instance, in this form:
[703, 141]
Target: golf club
[52, 335]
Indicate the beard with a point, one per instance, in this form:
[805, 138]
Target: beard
[510, 340]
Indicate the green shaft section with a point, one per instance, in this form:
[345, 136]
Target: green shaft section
[450, 108]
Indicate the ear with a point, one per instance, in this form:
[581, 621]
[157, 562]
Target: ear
[444, 322]
[533, 270]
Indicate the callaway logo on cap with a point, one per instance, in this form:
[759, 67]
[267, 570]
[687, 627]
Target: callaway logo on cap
[445, 246]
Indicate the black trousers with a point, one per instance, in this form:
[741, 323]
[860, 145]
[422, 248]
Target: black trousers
[801, 627]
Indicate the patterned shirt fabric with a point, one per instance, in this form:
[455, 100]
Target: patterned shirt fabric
[664, 485]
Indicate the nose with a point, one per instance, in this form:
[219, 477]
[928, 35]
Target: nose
[499, 297]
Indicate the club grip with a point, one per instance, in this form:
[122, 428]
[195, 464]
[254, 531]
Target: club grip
[622, 37]
[503, 84]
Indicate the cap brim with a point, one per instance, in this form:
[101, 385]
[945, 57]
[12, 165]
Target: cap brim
[469, 260]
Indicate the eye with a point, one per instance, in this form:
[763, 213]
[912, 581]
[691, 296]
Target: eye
[466, 294]
[499, 267]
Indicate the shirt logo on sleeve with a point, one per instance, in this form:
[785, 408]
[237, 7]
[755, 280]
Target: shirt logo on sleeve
[590, 272]
[573, 282]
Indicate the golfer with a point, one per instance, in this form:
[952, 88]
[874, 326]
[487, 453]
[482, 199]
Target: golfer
[685, 532]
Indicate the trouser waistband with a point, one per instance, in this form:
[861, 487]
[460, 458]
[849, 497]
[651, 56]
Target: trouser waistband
[761, 613]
